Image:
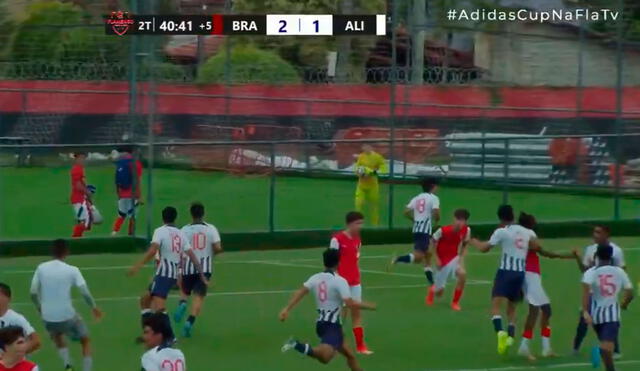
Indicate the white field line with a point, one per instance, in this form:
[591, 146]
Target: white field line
[365, 257]
[537, 367]
[257, 292]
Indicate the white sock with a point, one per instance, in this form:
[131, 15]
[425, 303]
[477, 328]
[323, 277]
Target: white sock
[428, 269]
[524, 344]
[64, 354]
[87, 363]
[411, 257]
[546, 343]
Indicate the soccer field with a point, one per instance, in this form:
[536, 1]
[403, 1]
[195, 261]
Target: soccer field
[35, 201]
[239, 329]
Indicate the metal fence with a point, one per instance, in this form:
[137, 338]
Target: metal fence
[494, 107]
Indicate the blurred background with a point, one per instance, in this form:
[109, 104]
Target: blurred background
[265, 130]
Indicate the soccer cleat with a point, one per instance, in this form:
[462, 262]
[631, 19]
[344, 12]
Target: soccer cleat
[364, 350]
[392, 262]
[288, 345]
[430, 294]
[68, 368]
[617, 356]
[114, 233]
[456, 307]
[180, 312]
[502, 342]
[549, 353]
[526, 353]
[595, 357]
[186, 329]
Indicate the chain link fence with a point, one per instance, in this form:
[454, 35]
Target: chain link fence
[538, 114]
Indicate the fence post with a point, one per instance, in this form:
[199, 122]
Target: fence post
[392, 106]
[505, 174]
[272, 189]
[618, 139]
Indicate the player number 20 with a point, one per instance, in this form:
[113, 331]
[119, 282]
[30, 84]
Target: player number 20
[168, 365]
[322, 291]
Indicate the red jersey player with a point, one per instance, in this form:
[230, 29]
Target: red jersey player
[451, 242]
[535, 293]
[85, 212]
[348, 243]
[14, 349]
[128, 188]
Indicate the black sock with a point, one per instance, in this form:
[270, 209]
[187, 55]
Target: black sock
[497, 323]
[191, 320]
[405, 259]
[145, 314]
[167, 321]
[429, 273]
[581, 333]
[616, 347]
[511, 330]
[303, 348]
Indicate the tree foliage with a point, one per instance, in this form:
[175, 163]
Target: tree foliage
[247, 64]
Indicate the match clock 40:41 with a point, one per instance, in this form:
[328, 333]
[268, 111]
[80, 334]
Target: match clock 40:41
[171, 26]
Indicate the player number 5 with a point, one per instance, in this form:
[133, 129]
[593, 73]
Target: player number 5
[607, 286]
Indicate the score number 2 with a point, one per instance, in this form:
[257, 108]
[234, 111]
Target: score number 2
[283, 26]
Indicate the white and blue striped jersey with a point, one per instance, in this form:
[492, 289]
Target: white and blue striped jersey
[606, 282]
[590, 259]
[514, 241]
[172, 244]
[423, 206]
[330, 291]
[202, 237]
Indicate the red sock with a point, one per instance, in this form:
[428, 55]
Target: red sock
[527, 334]
[118, 224]
[358, 333]
[546, 332]
[132, 224]
[78, 229]
[457, 294]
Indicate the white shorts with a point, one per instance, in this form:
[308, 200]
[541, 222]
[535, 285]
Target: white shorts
[356, 292]
[445, 273]
[87, 213]
[127, 206]
[533, 290]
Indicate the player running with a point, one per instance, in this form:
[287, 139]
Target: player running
[205, 241]
[127, 188]
[601, 286]
[451, 247]
[51, 293]
[14, 347]
[9, 317]
[331, 292]
[348, 242]
[535, 294]
[514, 241]
[170, 243]
[601, 236]
[424, 211]
[86, 214]
[369, 165]
[158, 339]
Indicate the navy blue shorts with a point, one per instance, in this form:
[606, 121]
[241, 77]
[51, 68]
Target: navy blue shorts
[508, 284]
[161, 286]
[191, 283]
[607, 331]
[330, 333]
[421, 242]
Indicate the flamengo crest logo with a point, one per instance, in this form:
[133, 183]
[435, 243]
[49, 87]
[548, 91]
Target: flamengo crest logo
[120, 22]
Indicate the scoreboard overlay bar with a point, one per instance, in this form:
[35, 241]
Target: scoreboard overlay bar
[122, 23]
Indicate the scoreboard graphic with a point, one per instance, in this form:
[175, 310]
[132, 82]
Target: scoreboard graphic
[123, 23]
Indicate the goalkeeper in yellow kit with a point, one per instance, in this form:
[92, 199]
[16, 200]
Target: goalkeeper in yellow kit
[368, 166]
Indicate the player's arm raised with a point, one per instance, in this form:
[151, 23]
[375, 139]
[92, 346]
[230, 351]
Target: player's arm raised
[295, 299]
[147, 257]
[534, 244]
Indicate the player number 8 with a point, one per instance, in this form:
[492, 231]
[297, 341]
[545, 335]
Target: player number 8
[322, 291]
